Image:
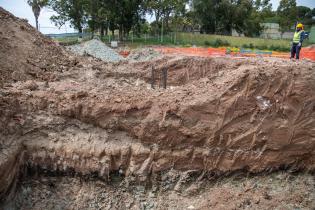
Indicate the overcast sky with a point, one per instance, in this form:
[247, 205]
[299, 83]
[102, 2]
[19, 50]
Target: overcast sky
[21, 9]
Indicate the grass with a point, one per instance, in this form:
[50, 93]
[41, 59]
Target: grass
[201, 40]
[205, 40]
[71, 40]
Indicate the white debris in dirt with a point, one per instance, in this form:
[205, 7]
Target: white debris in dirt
[97, 49]
[263, 103]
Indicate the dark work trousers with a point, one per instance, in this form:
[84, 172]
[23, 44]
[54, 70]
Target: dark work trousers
[295, 50]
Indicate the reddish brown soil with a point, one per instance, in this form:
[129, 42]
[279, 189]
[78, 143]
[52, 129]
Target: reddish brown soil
[77, 116]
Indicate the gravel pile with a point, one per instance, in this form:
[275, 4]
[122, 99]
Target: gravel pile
[97, 49]
[143, 54]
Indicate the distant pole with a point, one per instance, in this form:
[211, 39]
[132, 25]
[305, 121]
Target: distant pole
[108, 33]
[175, 36]
[162, 32]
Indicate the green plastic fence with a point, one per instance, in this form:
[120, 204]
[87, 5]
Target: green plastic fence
[312, 34]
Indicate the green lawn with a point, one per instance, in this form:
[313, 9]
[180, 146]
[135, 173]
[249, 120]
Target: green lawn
[201, 40]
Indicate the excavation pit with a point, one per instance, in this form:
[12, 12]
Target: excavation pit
[91, 134]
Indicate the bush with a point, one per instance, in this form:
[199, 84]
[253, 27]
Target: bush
[245, 46]
[68, 43]
[284, 49]
[274, 48]
[207, 43]
[220, 43]
[262, 47]
[226, 43]
[187, 45]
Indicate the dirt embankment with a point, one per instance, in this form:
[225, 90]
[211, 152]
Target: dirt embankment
[218, 115]
[26, 54]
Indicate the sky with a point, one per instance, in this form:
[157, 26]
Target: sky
[21, 9]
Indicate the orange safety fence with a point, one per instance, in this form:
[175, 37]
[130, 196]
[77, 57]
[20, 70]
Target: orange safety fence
[124, 53]
[192, 51]
[308, 53]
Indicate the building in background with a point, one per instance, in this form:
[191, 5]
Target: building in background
[271, 31]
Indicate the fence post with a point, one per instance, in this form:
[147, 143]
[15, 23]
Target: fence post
[164, 71]
[162, 31]
[175, 37]
[152, 78]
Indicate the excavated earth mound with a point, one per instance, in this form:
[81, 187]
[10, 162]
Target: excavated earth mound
[103, 121]
[22, 53]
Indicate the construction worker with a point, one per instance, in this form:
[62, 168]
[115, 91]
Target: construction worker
[298, 39]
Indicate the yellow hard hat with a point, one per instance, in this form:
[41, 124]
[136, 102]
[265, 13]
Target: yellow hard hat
[300, 25]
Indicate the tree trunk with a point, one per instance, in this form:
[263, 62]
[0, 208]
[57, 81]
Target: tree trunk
[36, 20]
[120, 32]
[113, 34]
[36, 12]
[102, 30]
[36, 15]
[80, 31]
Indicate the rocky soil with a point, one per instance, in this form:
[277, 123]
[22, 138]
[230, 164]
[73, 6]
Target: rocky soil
[84, 133]
[97, 49]
[172, 190]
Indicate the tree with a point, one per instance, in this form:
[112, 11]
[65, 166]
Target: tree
[305, 14]
[261, 11]
[287, 13]
[164, 9]
[207, 20]
[98, 15]
[73, 11]
[244, 18]
[126, 15]
[37, 5]
[221, 16]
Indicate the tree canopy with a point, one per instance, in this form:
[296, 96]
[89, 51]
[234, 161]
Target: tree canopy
[207, 16]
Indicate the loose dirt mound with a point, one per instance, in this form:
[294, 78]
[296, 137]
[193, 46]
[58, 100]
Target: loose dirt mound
[26, 53]
[102, 121]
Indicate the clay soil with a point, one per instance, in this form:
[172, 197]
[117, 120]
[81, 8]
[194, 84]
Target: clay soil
[80, 133]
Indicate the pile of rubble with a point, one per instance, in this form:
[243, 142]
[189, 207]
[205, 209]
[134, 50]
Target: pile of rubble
[97, 49]
[144, 54]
